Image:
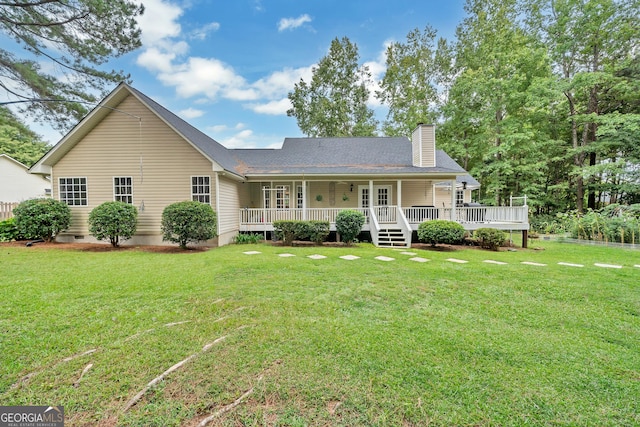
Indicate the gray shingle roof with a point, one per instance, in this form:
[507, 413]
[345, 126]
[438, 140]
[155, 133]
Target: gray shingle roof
[356, 155]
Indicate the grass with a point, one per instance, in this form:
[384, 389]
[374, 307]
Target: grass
[324, 342]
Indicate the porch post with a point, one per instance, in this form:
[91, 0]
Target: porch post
[371, 194]
[399, 196]
[454, 217]
[304, 200]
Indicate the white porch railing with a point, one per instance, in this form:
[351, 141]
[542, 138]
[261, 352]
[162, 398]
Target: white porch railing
[258, 216]
[482, 214]
[6, 209]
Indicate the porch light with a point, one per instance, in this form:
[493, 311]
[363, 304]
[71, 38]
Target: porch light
[464, 185]
[351, 188]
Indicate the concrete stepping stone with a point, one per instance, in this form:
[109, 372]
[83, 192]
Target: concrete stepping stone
[286, 255]
[349, 257]
[537, 264]
[418, 259]
[607, 265]
[568, 264]
[385, 258]
[251, 253]
[316, 256]
[408, 253]
[637, 266]
[457, 261]
[490, 261]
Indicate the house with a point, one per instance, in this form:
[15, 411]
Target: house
[17, 184]
[132, 149]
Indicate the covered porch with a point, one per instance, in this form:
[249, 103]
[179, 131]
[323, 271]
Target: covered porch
[393, 209]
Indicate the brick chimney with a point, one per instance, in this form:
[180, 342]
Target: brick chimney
[423, 145]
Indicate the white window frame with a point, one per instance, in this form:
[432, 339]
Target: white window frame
[198, 195]
[299, 197]
[118, 195]
[459, 198]
[82, 201]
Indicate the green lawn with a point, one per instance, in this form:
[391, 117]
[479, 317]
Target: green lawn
[324, 342]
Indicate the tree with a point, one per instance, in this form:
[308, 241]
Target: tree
[18, 141]
[589, 42]
[114, 221]
[334, 103]
[75, 37]
[417, 74]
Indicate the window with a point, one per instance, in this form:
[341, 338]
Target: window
[73, 191]
[123, 189]
[266, 190]
[383, 196]
[299, 197]
[201, 189]
[364, 197]
[459, 197]
[283, 197]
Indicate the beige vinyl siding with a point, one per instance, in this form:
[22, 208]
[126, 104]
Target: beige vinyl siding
[428, 146]
[417, 193]
[443, 198]
[228, 216]
[159, 160]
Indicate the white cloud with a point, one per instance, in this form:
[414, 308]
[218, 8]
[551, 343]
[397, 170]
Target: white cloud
[224, 128]
[190, 113]
[293, 23]
[280, 83]
[274, 108]
[159, 21]
[240, 140]
[202, 32]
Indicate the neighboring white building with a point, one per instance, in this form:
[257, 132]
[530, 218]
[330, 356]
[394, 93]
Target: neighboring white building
[17, 184]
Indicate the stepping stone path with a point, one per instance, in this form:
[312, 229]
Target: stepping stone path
[286, 255]
[607, 265]
[385, 258]
[457, 261]
[490, 261]
[252, 253]
[570, 265]
[537, 264]
[418, 259]
[637, 266]
[408, 253]
[349, 257]
[316, 256]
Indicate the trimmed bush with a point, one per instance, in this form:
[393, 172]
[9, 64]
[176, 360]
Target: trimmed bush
[42, 218]
[490, 238]
[349, 225]
[440, 231]
[318, 231]
[9, 230]
[114, 221]
[188, 222]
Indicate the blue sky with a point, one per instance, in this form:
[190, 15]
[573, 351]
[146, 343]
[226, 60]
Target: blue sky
[226, 66]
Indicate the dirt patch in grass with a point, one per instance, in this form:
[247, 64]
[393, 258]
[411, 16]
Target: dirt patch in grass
[105, 247]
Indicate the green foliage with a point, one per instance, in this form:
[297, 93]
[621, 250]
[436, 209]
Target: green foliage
[490, 238]
[55, 49]
[318, 231]
[188, 222]
[114, 221]
[288, 231]
[440, 231]
[615, 223]
[247, 238]
[547, 224]
[349, 225]
[18, 141]
[334, 103]
[42, 218]
[9, 230]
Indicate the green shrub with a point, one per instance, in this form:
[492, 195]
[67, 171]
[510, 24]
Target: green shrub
[489, 238]
[114, 221]
[287, 231]
[9, 230]
[349, 225]
[440, 231]
[42, 218]
[318, 231]
[186, 222]
[243, 239]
